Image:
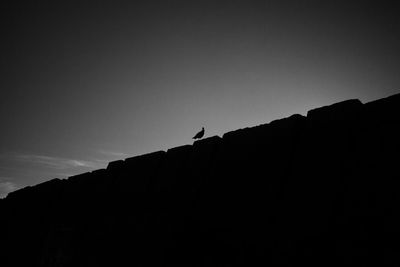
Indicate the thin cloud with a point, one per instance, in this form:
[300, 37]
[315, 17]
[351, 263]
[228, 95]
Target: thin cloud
[113, 154]
[58, 163]
[7, 187]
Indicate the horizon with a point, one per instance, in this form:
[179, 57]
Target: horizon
[88, 84]
[10, 187]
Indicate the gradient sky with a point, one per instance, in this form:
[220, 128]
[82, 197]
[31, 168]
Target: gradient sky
[84, 84]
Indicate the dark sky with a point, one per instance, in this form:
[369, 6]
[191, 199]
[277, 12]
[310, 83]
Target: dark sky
[85, 83]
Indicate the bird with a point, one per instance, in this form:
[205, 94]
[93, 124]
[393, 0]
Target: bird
[199, 134]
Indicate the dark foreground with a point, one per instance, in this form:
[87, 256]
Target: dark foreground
[317, 190]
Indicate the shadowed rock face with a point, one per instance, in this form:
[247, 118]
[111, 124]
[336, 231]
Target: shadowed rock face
[321, 189]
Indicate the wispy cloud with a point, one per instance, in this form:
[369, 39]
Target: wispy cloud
[113, 154]
[58, 163]
[7, 187]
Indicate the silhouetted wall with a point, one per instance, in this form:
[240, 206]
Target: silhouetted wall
[321, 189]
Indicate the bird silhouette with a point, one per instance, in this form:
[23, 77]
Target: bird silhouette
[199, 134]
